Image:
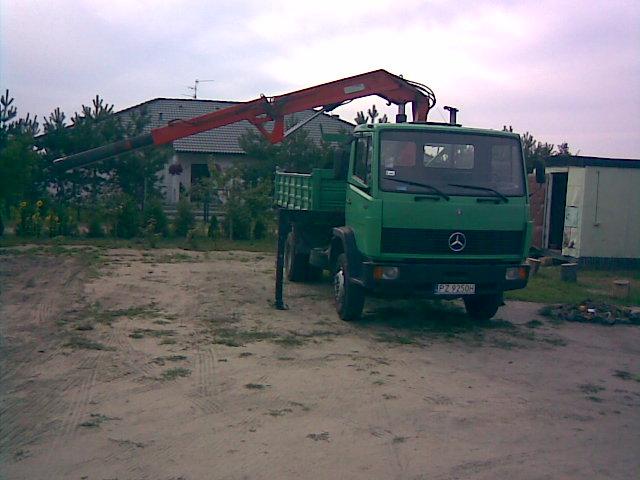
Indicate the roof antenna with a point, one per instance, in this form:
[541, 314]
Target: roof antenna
[195, 87]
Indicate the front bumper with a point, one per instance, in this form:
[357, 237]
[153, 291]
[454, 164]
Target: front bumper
[422, 278]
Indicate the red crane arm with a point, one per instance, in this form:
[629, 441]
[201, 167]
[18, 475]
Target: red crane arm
[392, 88]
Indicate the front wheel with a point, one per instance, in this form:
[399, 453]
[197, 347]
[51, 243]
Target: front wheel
[348, 297]
[482, 307]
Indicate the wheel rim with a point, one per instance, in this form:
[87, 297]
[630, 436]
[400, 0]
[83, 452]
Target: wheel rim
[338, 286]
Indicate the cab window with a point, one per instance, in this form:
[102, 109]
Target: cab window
[362, 164]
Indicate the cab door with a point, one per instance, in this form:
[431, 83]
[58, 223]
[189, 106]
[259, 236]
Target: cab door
[359, 202]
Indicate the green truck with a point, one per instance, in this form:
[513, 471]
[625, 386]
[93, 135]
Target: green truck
[424, 209]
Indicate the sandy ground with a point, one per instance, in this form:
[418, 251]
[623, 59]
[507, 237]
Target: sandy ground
[200, 378]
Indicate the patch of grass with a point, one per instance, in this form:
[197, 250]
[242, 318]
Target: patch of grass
[152, 333]
[169, 358]
[96, 419]
[84, 326]
[168, 341]
[504, 344]
[624, 375]
[279, 413]
[323, 436]
[238, 338]
[394, 338]
[546, 287]
[175, 372]
[399, 439]
[302, 406]
[78, 342]
[289, 341]
[590, 388]
[534, 324]
[555, 341]
[415, 322]
[256, 386]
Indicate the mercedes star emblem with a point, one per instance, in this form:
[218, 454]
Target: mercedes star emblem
[457, 241]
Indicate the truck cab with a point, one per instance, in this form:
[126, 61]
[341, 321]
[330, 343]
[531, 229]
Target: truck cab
[435, 210]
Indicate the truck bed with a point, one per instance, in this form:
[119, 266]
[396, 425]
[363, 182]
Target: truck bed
[317, 191]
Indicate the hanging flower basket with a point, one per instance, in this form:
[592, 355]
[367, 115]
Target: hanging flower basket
[175, 169]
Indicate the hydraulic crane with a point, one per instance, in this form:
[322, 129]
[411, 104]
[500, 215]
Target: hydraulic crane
[258, 112]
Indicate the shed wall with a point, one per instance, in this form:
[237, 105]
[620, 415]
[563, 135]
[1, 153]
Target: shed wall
[610, 224]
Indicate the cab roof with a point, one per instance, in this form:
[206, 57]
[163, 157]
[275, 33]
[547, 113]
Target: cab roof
[432, 127]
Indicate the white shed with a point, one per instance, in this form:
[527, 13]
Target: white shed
[592, 210]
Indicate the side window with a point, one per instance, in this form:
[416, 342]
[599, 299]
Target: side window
[362, 164]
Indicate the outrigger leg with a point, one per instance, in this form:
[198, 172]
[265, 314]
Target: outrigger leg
[283, 230]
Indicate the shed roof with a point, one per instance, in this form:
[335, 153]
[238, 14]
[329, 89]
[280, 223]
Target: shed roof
[580, 161]
[224, 139]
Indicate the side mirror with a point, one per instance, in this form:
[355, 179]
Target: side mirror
[341, 164]
[540, 175]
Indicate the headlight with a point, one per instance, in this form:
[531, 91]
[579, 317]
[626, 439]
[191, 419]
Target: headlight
[385, 273]
[516, 273]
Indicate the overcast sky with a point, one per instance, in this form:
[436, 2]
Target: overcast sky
[565, 71]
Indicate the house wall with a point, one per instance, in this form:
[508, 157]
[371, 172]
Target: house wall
[611, 213]
[172, 183]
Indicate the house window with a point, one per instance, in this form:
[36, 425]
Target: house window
[198, 171]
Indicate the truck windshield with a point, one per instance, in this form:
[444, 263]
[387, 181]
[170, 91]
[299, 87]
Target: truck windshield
[451, 162]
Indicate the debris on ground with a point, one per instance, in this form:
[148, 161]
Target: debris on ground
[592, 312]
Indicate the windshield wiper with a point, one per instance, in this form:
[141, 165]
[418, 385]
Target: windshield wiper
[478, 187]
[423, 185]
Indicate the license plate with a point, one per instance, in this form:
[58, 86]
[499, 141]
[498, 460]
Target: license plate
[455, 289]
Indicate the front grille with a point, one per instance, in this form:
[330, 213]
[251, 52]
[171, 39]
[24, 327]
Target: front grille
[436, 242]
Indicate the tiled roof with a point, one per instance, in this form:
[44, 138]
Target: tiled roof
[223, 139]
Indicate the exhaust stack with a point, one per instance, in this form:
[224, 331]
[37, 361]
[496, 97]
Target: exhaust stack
[453, 114]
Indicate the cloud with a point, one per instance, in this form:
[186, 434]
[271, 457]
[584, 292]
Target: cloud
[566, 71]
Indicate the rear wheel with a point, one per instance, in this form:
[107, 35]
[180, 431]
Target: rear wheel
[296, 264]
[348, 297]
[482, 307]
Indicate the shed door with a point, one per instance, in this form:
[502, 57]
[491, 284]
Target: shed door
[557, 210]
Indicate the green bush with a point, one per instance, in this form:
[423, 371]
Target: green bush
[1, 225]
[184, 220]
[127, 223]
[237, 222]
[154, 215]
[260, 229]
[96, 229]
[68, 218]
[214, 227]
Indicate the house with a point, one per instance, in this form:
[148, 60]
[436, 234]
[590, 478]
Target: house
[194, 153]
[589, 209]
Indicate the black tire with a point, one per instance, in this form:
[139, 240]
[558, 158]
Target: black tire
[296, 264]
[482, 307]
[348, 297]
